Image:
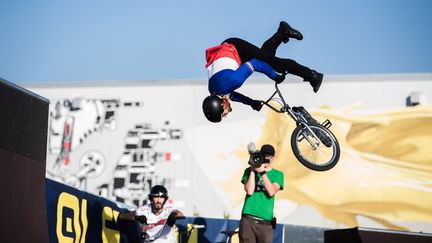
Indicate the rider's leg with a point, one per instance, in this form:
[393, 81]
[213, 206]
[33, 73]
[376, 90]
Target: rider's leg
[273, 43]
[248, 51]
[289, 32]
[287, 65]
[283, 34]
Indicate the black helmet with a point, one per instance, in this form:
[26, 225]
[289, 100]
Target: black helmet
[158, 191]
[212, 108]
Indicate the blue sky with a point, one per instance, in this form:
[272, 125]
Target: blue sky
[88, 40]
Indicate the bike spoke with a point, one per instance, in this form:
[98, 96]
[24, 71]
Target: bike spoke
[319, 156]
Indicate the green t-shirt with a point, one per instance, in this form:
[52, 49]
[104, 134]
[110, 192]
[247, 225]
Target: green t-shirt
[259, 204]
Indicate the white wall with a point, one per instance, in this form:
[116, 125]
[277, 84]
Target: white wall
[203, 166]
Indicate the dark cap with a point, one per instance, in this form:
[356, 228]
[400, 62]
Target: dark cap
[267, 149]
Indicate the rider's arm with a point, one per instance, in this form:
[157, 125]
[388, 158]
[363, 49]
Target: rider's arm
[234, 80]
[173, 216]
[237, 97]
[127, 216]
[262, 67]
[132, 216]
[255, 104]
[179, 214]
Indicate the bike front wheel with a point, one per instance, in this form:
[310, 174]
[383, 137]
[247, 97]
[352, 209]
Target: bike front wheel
[318, 150]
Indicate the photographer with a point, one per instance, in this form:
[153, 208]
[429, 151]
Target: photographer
[261, 183]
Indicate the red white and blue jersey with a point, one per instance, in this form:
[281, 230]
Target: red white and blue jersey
[222, 57]
[226, 72]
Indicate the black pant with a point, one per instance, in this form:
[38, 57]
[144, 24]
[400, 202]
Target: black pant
[252, 231]
[266, 53]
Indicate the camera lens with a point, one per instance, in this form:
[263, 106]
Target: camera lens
[256, 158]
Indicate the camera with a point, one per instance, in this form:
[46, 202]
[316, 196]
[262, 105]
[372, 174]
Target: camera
[257, 158]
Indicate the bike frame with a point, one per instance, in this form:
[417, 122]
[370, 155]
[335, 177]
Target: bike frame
[285, 107]
[298, 118]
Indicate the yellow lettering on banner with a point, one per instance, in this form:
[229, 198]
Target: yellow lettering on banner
[84, 220]
[109, 235]
[67, 200]
[69, 225]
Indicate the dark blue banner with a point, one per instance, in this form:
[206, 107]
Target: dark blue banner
[78, 217]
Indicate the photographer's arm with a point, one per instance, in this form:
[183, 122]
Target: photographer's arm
[270, 187]
[250, 183]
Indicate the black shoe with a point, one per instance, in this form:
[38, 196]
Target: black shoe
[289, 32]
[315, 80]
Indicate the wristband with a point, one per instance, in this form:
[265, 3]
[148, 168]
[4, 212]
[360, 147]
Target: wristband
[262, 173]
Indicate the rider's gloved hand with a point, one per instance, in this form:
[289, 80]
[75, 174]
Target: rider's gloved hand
[256, 105]
[279, 78]
[141, 218]
[171, 219]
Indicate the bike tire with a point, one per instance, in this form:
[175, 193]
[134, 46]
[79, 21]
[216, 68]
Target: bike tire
[323, 157]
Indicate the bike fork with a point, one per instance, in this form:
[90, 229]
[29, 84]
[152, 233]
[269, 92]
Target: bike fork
[315, 145]
[312, 144]
[304, 134]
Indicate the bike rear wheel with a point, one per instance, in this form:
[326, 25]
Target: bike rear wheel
[318, 153]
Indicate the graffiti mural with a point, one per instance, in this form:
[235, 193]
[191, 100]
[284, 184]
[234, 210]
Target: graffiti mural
[74, 121]
[135, 172]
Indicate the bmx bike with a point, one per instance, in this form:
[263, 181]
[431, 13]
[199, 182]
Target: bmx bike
[313, 144]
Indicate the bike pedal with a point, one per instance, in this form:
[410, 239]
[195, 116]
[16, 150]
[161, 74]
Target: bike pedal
[327, 123]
